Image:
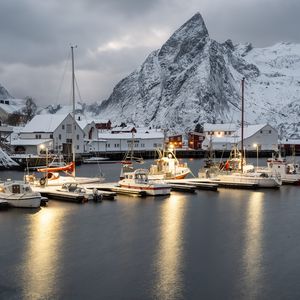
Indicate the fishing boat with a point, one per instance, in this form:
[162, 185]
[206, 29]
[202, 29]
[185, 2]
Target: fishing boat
[19, 194]
[235, 172]
[138, 180]
[167, 166]
[289, 172]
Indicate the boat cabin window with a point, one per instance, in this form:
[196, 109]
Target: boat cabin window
[16, 189]
[141, 177]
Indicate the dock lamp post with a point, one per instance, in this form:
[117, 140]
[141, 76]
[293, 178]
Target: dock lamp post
[256, 146]
[46, 149]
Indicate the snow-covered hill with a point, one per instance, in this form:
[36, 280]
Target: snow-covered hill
[194, 79]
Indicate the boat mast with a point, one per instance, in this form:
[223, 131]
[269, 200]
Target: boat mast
[73, 110]
[242, 127]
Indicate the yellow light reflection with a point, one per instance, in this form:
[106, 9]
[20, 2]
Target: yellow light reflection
[252, 256]
[169, 256]
[42, 254]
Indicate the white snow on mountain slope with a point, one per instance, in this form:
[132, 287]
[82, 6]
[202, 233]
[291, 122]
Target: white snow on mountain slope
[274, 96]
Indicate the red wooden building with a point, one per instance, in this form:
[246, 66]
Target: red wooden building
[195, 140]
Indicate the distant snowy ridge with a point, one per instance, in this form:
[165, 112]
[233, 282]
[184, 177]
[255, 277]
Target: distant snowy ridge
[4, 94]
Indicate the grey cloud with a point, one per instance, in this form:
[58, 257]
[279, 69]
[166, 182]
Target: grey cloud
[36, 35]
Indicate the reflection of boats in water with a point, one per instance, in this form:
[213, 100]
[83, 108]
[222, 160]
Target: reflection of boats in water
[167, 166]
[138, 180]
[94, 160]
[3, 204]
[19, 194]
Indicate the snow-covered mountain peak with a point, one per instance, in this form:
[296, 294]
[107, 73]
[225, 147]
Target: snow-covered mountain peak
[194, 79]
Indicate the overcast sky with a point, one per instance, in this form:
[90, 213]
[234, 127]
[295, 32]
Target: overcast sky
[115, 36]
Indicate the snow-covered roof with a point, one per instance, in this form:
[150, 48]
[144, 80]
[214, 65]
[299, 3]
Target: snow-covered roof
[128, 136]
[249, 130]
[30, 142]
[219, 127]
[84, 123]
[44, 123]
[122, 129]
[13, 106]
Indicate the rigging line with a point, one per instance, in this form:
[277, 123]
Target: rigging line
[77, 89]
[58, 94]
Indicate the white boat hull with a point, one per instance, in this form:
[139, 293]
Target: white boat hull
[270, 182]
[33, 201]
[67, 179]
[151, 190]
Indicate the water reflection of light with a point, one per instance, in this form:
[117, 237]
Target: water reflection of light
[252, 255]
[168, 283]
[41, 255]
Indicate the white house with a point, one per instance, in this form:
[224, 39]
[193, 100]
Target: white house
[262, 136]
[219, 130]
[143, 139]
[57, 127]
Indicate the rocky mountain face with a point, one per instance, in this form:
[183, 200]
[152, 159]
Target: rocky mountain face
[193, 79]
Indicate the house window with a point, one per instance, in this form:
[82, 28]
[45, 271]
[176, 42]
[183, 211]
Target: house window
[69, 128]
[108, 145]
[69, 141]
[63, 127]
[77, 137]
[142, 145]
[59, 136]
[261, 131]
[77, 147]
[38, 136]
[155, 145]
[270, 131]
[51, 136]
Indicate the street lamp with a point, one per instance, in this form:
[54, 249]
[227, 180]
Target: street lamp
[256, 146]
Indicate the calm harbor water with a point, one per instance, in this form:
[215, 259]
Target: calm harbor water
[230, 244]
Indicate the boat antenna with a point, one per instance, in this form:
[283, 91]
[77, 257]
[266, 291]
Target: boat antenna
[73, 110]
[242, 127]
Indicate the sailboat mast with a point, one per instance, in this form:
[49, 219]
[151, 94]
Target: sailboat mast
[242, 126]
[73, 109]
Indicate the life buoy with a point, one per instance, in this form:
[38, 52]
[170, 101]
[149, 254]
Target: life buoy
[42, 181]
